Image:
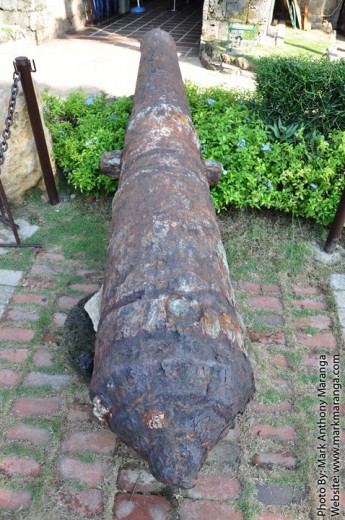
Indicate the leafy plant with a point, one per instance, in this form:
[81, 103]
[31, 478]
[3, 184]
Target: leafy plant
[83, 128]
[301, 174]
[281, 132]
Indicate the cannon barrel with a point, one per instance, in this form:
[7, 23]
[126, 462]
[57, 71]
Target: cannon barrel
[170, 373]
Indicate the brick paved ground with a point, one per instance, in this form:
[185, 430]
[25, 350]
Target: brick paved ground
[58, 463]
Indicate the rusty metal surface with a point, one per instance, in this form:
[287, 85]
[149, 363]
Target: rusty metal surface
[170, 373]
[336, 228]
[23, 66]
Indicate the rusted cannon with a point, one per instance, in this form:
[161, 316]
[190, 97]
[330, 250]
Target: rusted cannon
[170, 373]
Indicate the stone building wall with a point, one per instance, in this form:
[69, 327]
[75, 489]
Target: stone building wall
[41, 20]
[217, 14]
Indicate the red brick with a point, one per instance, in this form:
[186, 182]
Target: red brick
[67, 302]
[12, 500]
[91, 275]
[284, 460]
[8, 377]
[36, 299]
[43, 358]
[267, 337]
[280, 361]
[325, 340]
[32, 407]
[59, 318]
[138, 479]
[90, 473]
[259, 288]
[49, 255]
[18, 315]
[99, 442]
[304, 291]
[313, 360]
[50, 338]
[46, 269]
[26, 432]
[309, 304]
[275, 516]
[265, 302]
[285, 433]
[85, 287]
[56, 381]
[20, 465]
[41, 284]
[17, 355]
[207, 510]
[320, 322]
[270, 408]
[329, 496]
[80, 412]
[16, 334]
[249, 286]
[271, 288]
[280, 382]
[215, 487]
[87, 503]
[141, 507]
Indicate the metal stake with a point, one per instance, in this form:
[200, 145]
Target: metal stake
[23, 66]
[336, 228]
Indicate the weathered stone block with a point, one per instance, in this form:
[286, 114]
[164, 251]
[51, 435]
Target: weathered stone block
[21, 170]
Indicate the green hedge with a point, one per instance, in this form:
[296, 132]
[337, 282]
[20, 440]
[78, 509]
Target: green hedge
[275, 166]
[301, 90]
[299, 175]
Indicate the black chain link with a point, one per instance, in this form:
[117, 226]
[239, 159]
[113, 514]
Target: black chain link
[6, 134]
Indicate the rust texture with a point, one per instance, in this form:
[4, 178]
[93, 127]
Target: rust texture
[170, 373]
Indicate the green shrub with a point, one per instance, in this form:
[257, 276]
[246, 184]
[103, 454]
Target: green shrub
[83, 128]
[277, 166]
[304, 91]
[305, 177]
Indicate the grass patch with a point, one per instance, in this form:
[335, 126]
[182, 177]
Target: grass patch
[20, 450]
[78, 229]
[35, 391]
[87, 458]
[270, 396]
[245, 504]
[263, 246]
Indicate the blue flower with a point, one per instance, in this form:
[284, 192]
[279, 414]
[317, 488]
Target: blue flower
[89, 100]
[268, 184]
[61, 132]
[313, 185]
[266, 148]
[88, 143]
[241, 144]
[241, 101]
[113, 116]
[210, 101]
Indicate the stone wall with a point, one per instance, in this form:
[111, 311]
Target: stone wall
[218, 13]
[21, 170]
[41, 20]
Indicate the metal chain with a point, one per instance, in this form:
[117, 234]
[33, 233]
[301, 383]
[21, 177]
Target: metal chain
[6, 134]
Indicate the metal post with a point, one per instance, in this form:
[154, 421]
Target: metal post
[23, 66]
[336, 227]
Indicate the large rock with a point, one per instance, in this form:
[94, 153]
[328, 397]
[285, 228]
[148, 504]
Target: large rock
[21, 170]
[79, 339]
